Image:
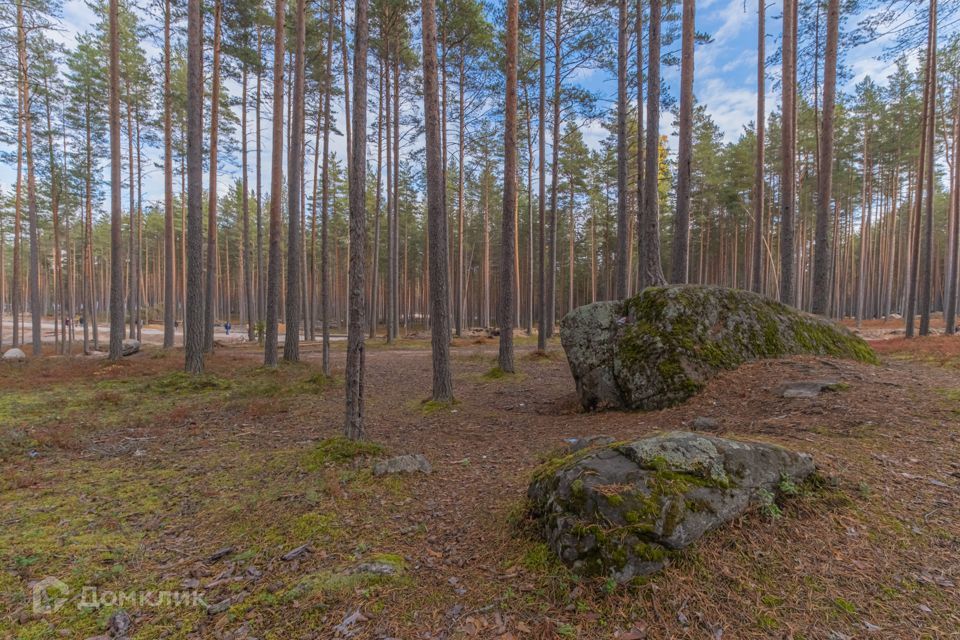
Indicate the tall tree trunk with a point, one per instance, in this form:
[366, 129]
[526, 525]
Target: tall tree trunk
[375, 263]
[33, 231]
[638, 29]
[59, 319]
[324, 250]
[116, 217]
[950, 306]
[926, 121]
[623, 239]
[353, 425]
[508, 236]
[681, 223]
[131, 222]
[15, 301]
[926, 248]
[169, 245]
[756, 284]
[542, 183]
[555, 171]
[274, 265]
[821, 258]
[788, 149]
[193, 311]
[458, 294]
[211, 291]
[291, 342]
[261, 274]
[396, 194]
[436, 215]
[245, 203]
[651, 271]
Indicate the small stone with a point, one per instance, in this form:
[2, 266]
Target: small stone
[585, 442]
[295, 553]
[220, 553]
[120, 624]
[218, 607]
[806, 388]
[704, 423]
[14, 355]
[414, 463]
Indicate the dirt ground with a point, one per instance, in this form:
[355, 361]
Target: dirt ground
[133, 478]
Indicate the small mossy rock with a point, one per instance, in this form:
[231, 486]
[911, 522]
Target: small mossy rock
[620, 510]
[661, 347]
[14, 355]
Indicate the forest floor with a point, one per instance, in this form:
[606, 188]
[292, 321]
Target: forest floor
[133, 478]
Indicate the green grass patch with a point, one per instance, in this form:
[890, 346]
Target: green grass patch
[339, 449]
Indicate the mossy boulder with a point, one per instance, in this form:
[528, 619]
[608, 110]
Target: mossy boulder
[661, 347]
[620, 510]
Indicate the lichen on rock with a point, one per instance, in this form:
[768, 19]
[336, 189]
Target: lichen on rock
[620, 510]
[661, 347]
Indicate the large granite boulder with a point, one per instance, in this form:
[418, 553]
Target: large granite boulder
[619, 510]
[660, 347]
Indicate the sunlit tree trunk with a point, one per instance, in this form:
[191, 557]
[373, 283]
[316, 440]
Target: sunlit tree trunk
[651, 271]
[622, 234]
[681, 224]
[436, 216]
[508, 235]
[821, 260]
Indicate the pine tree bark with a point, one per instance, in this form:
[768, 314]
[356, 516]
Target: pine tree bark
[681, 224]
[542, 183]
[274, 261]
[354, 425]
[169, 245]
[623, 240]
[756, 270]
[210, 303]
[116, 217]
[821, 259]
[508, 236]
[34, 249]
[245, 204]
[291, 342]
[555, 171]
[193, 311]
[651, 271]
[788, 153]
[926, 248]
[324, 250]
[436, 216]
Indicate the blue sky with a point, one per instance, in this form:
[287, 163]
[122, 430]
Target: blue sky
[725, 76]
